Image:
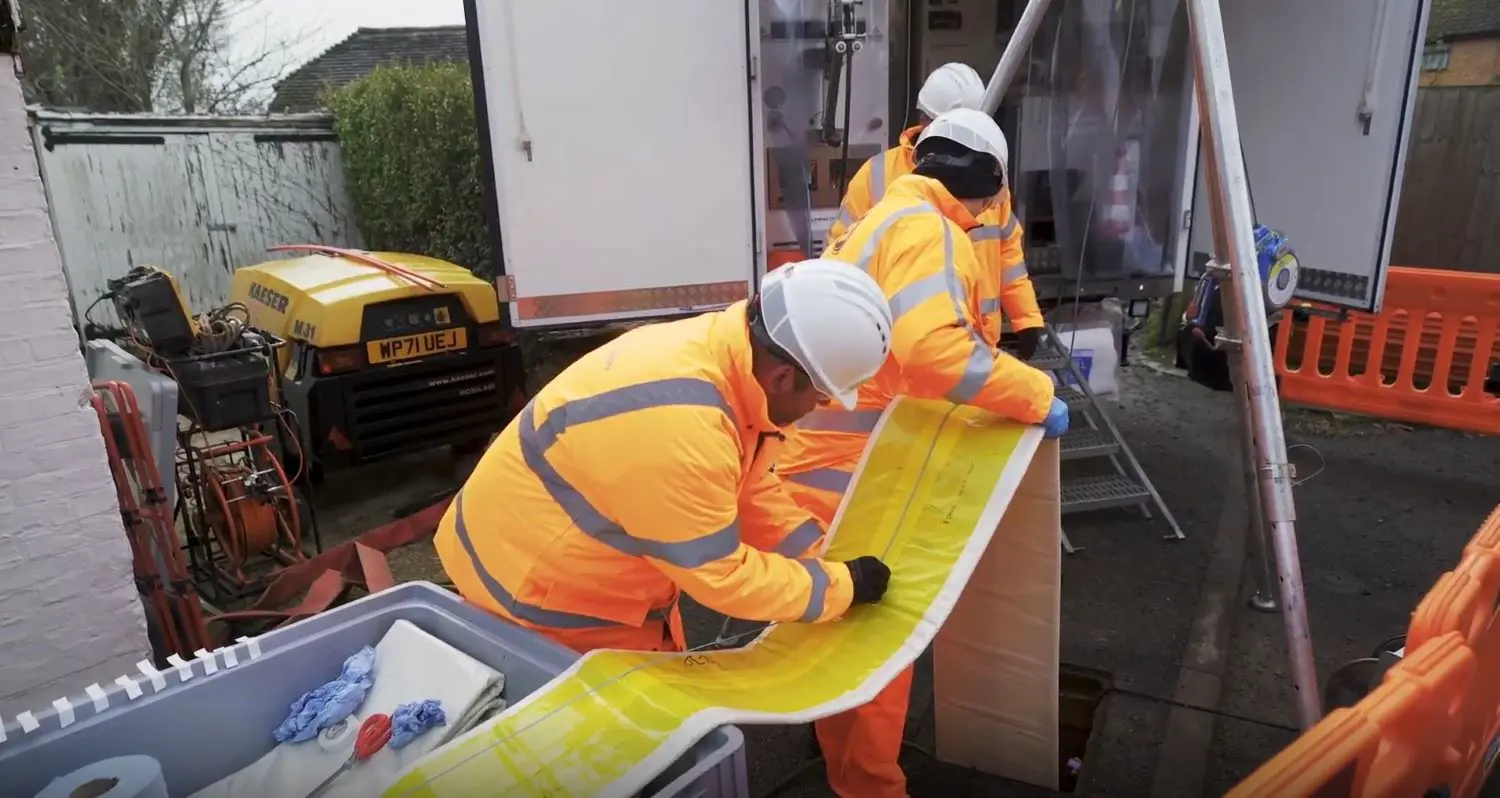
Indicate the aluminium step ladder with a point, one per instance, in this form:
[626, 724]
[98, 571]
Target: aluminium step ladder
[1093, 436]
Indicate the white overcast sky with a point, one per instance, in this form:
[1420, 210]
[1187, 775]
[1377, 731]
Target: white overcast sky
[326, 22]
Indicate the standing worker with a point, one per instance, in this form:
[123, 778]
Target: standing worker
[643, 471]
[998, 237]
[913, 243]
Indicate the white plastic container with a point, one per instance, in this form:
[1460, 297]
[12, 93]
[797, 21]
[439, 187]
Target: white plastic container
[1092, 333]
[1095, 352]
[155, 394]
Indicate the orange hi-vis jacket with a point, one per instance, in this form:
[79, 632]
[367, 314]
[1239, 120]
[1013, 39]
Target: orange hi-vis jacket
[1004, 282]
[913, 243]
[643, 470]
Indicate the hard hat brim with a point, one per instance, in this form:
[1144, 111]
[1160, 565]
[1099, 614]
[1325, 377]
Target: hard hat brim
[847, 398]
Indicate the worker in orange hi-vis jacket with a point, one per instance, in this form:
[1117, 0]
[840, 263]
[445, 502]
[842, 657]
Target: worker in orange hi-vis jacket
[914, 243]
[645, 470]
[1004, 282]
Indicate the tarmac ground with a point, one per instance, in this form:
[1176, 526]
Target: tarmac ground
[1198, 689]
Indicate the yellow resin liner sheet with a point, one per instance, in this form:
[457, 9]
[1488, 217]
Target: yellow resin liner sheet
[929, 493]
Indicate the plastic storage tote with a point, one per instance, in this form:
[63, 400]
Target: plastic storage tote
[155, 394]
[216, 723]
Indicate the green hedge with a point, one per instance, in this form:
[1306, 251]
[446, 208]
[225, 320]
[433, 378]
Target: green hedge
[411, 162]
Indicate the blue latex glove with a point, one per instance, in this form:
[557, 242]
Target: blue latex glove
[331, 703]
[1056, 422]
[409, 721]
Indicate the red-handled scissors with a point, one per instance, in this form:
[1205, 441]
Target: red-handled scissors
[373, 734]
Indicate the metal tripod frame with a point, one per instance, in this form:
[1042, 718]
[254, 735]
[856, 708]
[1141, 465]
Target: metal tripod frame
[1257, 406]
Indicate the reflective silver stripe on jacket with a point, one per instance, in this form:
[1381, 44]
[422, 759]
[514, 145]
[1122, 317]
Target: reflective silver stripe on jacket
[674, 392]
[992, 232]
[917, 292]
[981, 360]
[521, 610]
[867, 254]
[818, 592]
[1008, 277]
[799, 539]
[827, 419]
[832, 480]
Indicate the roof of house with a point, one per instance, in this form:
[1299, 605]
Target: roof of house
[359, 55]
[1454, 18]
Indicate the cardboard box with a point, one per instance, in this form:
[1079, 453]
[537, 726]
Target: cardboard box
[996, 660]
[780, 160]
[822, 164]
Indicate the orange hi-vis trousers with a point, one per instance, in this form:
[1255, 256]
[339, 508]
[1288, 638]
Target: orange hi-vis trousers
[862, 747]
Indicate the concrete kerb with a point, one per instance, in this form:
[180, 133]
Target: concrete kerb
[1181, 765]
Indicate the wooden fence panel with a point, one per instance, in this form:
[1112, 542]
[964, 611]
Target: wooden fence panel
[1449, 217]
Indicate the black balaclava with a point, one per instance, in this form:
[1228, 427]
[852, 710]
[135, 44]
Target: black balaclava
[965, 173]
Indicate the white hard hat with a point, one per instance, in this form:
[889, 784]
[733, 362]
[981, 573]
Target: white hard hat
[950, 86]
[972, 129]
[830, 317]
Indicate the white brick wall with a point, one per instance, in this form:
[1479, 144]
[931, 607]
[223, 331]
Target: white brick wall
[69, 613]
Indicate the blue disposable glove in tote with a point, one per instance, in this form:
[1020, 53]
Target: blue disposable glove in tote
[1056, 422]
[326, 706]
[409, 721]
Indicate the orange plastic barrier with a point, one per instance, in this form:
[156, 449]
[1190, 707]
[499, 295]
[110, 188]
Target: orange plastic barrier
[1466, 602]
[1480, 728]
[1475, 587]
[1462, 601]
[1432, 371]
[1488, 537]
[1393, 744]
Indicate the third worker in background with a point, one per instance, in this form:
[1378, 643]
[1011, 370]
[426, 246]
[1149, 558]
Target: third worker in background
[998, 237]
[915, 242]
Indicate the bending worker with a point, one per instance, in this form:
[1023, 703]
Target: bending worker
[913, 243]
[997, 238]
[643, 471]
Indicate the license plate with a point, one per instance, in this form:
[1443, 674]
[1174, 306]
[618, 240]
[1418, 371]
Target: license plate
[408, 347]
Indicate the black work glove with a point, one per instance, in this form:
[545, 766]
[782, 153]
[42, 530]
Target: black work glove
[1027, 342]
[871, 577]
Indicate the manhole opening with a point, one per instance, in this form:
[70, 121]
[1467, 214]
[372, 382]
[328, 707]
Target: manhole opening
[1080, 693]
[94, 788]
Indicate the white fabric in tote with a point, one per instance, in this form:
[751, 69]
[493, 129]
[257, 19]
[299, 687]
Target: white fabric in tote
[410, 665]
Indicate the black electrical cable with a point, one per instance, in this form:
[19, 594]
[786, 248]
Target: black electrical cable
[1389, 645]
[93, 330]
[88, 312]
[844, 175]
[1218, 713]
[1114, 124]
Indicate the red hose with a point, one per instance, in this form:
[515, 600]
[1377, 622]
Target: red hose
[149, 525]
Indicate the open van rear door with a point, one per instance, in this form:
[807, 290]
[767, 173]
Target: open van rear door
[624, 155]
[1324, 92]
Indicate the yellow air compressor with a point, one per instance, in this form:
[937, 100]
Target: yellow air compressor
[387, 353]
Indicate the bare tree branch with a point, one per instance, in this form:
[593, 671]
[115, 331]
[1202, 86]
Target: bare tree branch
[189, 56]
